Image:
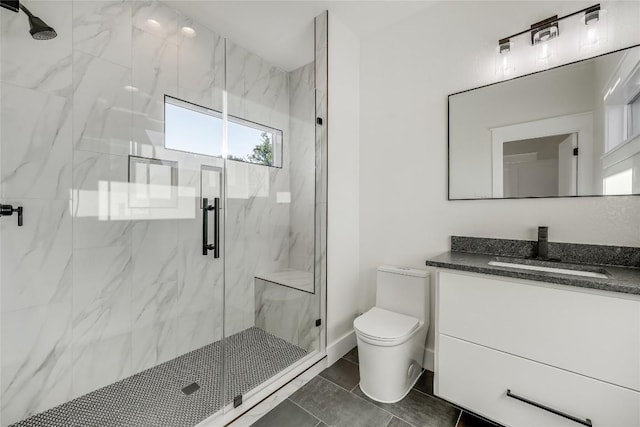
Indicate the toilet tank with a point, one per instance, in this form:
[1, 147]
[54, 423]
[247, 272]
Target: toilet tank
[403, 290]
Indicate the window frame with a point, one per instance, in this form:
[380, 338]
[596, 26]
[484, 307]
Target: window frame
[276, 144]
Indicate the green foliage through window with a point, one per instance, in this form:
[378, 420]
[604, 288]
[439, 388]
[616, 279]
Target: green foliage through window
[263, 152]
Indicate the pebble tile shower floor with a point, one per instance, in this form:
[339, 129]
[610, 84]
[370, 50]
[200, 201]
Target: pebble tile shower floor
[154, 398]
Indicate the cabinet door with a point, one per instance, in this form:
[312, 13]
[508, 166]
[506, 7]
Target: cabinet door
[477, 378]
[593, 335]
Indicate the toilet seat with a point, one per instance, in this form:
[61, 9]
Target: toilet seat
[385, 327]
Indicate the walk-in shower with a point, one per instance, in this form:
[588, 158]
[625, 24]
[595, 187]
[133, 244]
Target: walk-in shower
[170, 268]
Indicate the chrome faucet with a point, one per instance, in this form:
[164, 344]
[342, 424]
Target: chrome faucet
[543, 243]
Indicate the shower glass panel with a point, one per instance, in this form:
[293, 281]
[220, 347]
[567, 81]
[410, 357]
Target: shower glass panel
[272, 298]
[106, 296]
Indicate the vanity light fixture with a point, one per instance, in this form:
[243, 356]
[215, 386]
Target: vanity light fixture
[504, 46]
[592, 15]
[594, 30]
[543, 35]
[545, 30]
[504, 61]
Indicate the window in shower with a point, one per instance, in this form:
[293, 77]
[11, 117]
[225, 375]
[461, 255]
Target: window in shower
[254, 143]
[192, 128]
[198, 130]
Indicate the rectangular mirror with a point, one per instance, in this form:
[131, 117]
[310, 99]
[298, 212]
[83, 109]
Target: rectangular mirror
[568, 131]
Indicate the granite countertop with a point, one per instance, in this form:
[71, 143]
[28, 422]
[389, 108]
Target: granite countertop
[467, 255]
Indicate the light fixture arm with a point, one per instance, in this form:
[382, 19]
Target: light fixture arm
[551, 21]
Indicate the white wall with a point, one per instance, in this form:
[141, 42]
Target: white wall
[343, 292]
[408, 70]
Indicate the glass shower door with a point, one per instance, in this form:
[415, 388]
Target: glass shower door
[272, 293]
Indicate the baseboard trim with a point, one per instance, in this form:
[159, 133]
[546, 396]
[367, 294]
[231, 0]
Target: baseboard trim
[340, 347]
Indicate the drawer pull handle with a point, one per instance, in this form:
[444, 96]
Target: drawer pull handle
[585, 422]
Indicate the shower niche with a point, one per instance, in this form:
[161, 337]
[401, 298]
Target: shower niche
[112, 313]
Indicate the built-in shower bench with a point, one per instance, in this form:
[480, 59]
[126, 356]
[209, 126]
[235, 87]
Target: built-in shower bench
[286, 306]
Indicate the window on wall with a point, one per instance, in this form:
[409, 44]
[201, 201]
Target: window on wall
[199, 130]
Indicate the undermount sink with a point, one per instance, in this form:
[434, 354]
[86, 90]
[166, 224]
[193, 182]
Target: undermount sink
[531, 265]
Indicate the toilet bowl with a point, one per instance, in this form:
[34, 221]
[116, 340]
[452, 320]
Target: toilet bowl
[391, 336]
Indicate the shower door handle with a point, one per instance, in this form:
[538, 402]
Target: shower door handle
[216, 227]
[206, 246]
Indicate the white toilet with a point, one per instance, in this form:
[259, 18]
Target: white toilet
[391, 336]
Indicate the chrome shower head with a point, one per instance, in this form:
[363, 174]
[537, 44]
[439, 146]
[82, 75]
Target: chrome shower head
[38, 28]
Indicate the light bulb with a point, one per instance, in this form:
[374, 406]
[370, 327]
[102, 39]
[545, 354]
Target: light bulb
[153, 24]
[592, 36]
[504, 58]
[544, 51]
[594, 30]
[188, 32]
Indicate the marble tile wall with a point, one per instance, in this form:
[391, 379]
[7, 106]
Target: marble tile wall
[91, 290]
[35, 172]
[302, 164]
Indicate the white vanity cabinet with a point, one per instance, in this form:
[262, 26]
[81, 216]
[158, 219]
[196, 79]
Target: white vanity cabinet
[507, 349]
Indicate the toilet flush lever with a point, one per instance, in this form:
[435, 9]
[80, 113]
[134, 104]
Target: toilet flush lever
[8, 210]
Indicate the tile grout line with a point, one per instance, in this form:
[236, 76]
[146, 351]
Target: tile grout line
[356, 396]
[392, 415]
[319, 420]
[459, 417]
[401, 419]
[422, 392]
[373, 404]
[347, 360]
[336, 384]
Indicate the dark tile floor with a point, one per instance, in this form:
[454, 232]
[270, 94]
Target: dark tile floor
[334, 398]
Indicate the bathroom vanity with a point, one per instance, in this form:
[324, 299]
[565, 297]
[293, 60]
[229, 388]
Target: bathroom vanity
[534, 348]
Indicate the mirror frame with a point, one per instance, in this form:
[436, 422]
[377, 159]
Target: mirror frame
[509, 80]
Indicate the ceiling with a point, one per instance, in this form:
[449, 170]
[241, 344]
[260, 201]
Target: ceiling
[282, 31]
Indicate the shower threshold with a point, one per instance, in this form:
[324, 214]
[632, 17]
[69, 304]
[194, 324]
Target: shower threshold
[155, 397]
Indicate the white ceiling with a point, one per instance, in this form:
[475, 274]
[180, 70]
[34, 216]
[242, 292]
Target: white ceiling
[282, 31]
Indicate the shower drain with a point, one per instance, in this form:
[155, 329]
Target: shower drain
[191, 388]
